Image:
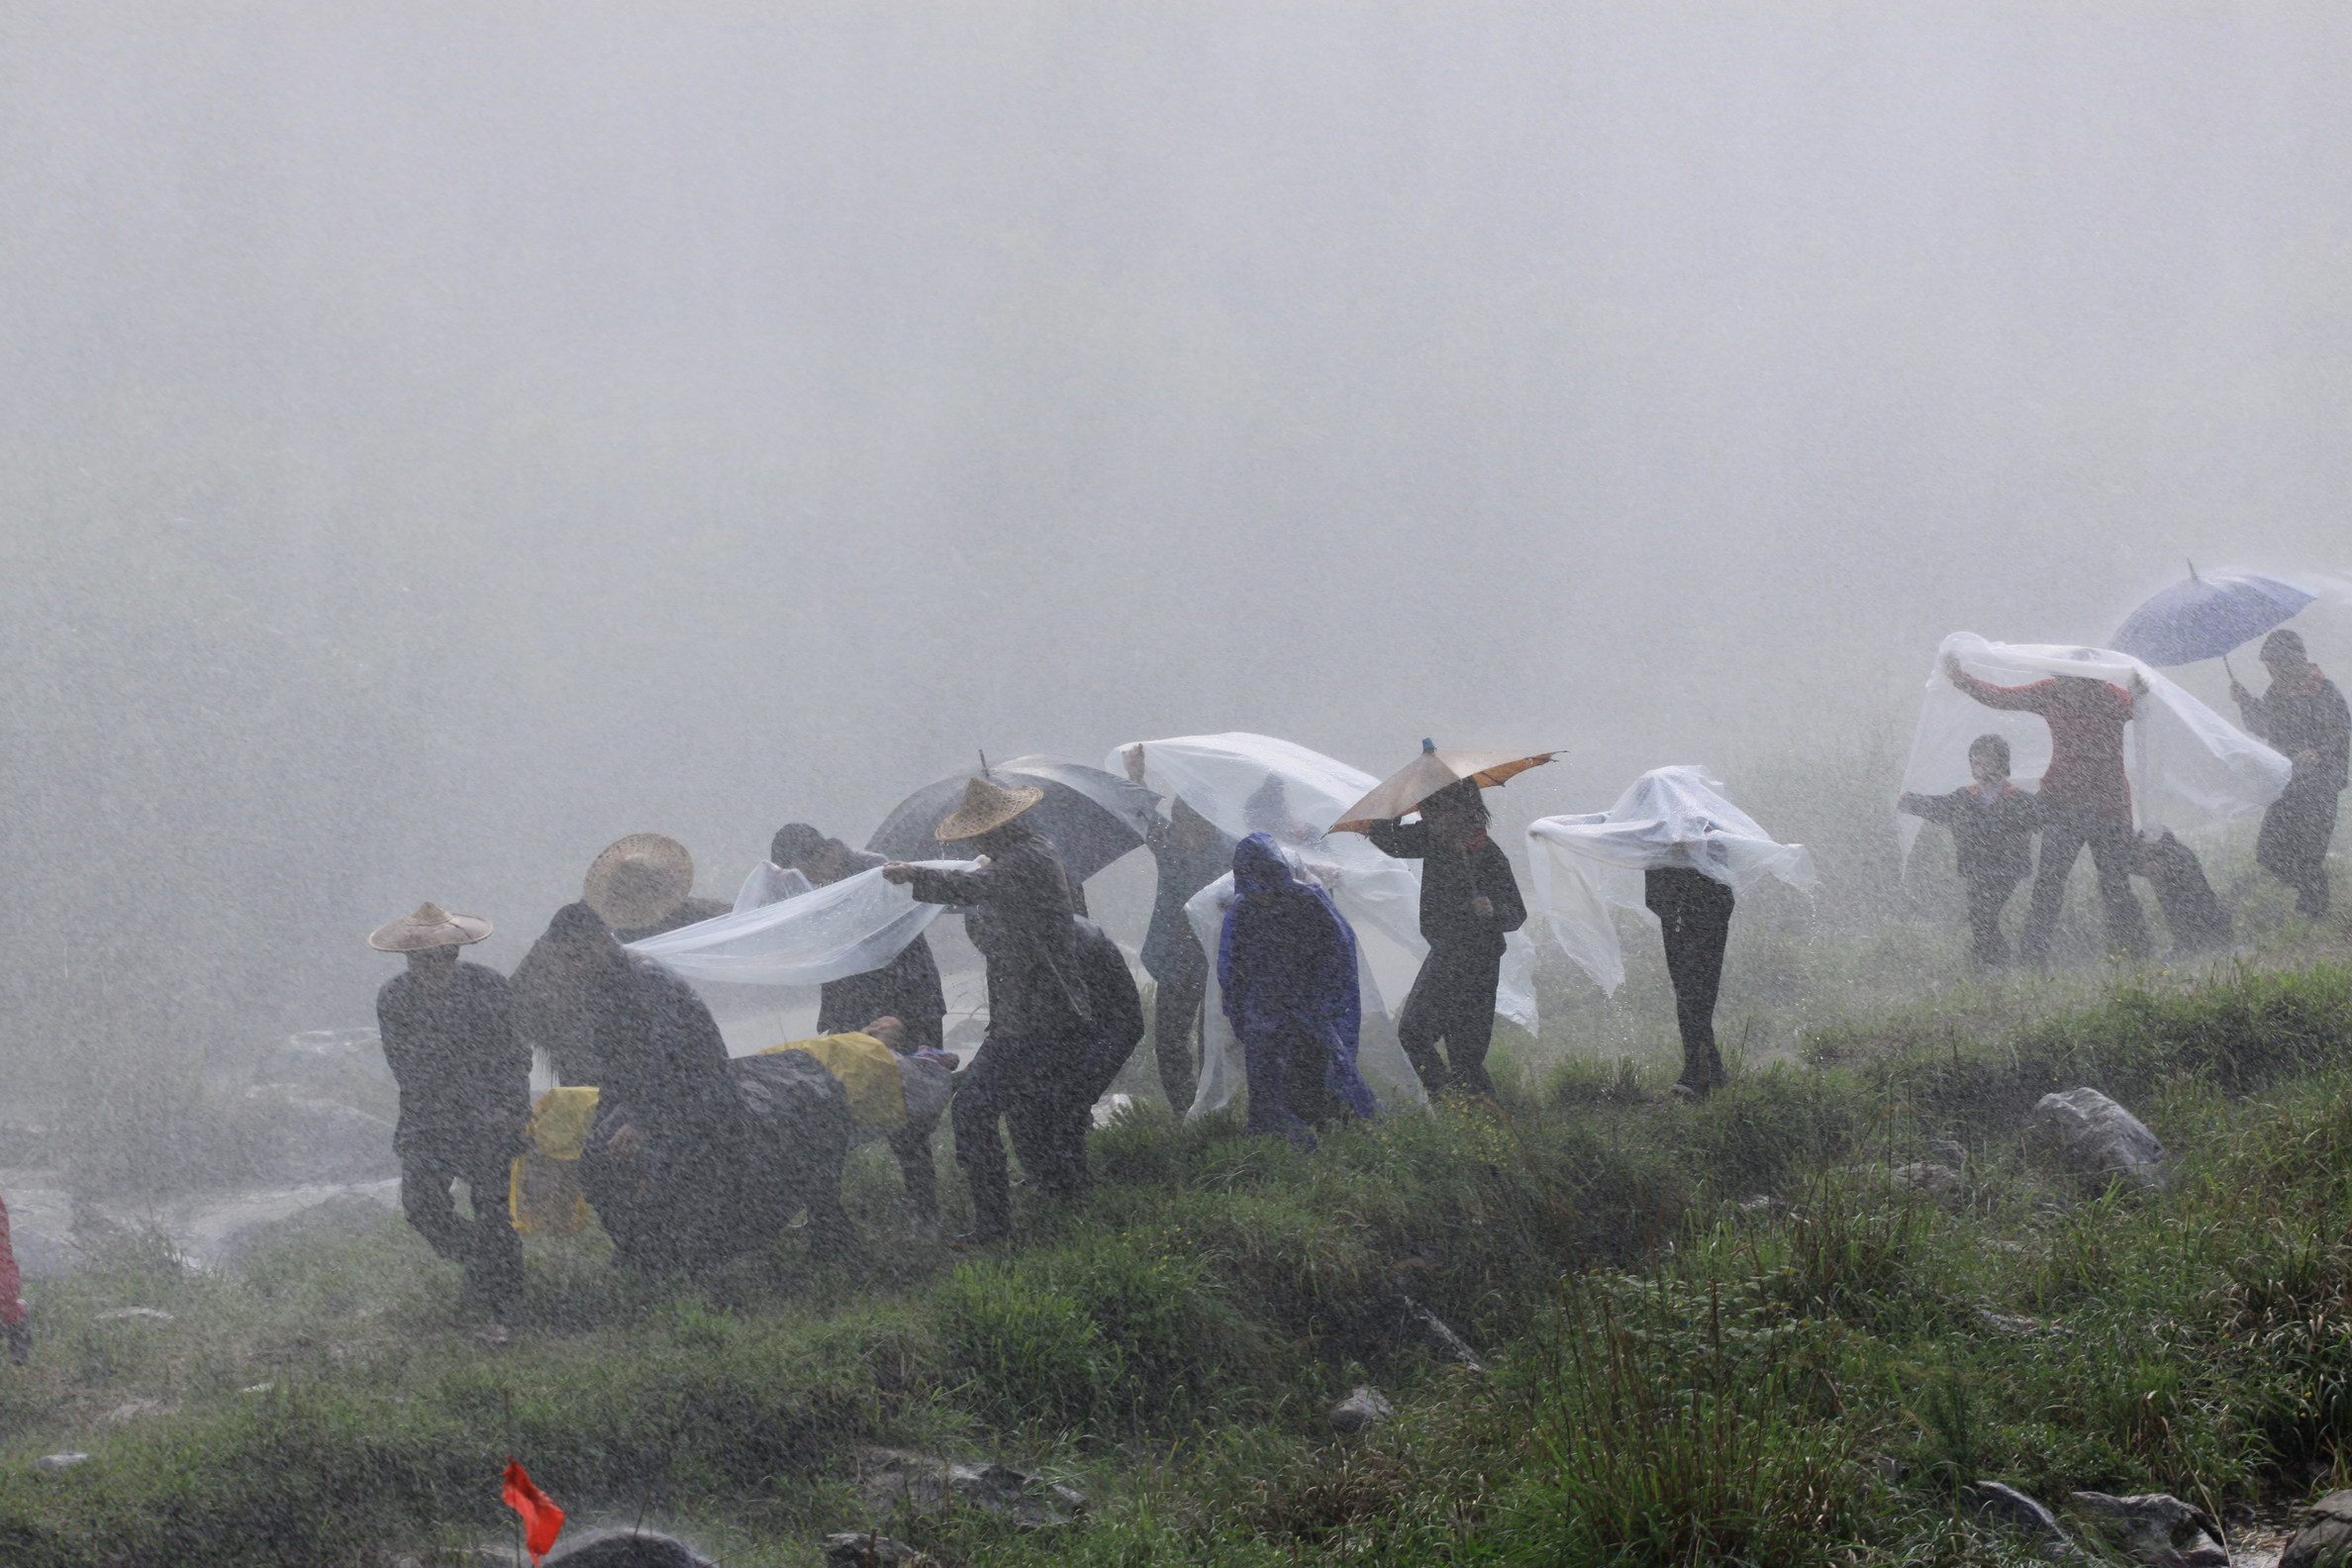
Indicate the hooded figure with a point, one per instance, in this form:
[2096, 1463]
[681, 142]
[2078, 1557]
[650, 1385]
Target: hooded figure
[1286, 966]
[1040, 1020]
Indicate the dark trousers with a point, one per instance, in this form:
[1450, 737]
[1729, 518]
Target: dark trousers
[2066, 831]
[911, 1144]
[1019, 1078]
[1693, 913]
[1452, 1000]
[1988, 896]
[486, 1244]
[1288, 1073]
[2293, 844]
[1176, 1023]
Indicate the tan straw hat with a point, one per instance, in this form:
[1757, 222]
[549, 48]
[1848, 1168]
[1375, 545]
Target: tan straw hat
[639, 880]
[985, 803]
[431, 926]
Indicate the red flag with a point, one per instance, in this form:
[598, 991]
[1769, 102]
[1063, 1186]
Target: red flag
[543, 1520]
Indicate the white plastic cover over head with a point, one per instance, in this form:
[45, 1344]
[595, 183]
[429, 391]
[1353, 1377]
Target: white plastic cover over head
[2189, 766]
[1586, 867]
[769, 883]
[843, 929]
[1247, 783]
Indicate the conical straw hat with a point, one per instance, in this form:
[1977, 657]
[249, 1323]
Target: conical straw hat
[639, 880]
[986, 805]
[431, 926]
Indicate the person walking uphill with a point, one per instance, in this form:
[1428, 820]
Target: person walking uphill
[1469, 901]
[464, 1078]
[1040, 1020]
[2303, 716]
[1286, 973]
[2084, 797]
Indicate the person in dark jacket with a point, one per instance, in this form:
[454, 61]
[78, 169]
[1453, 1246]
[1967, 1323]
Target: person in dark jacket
[1188, 852]
[642, 886]
[1991, 823]
[1285, 973]
[907, 988]
[1114, 1031]
[1018, 912]
[2085, 800]
[1693, 913]
[448, 1035]
[1469, 900]
[2197, 922]
[2303, 716]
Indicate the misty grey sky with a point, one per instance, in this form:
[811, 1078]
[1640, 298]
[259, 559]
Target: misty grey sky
[437, 439]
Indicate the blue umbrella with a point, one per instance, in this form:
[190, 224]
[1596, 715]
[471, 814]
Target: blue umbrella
[2207, 616]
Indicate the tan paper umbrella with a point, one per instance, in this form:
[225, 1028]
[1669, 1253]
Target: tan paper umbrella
[1404, 791]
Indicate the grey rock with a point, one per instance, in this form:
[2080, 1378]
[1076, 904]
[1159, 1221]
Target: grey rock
[1928, 1178]
[2149, 1527]
[895, 1478]
[2324, 1539]
[1945, 1151]
[297, 1139]
[150, 1314]
[1364, 1407]
[2098, 1137]
[864, 1549]
[60, 1461]
[625, 1548]
[2012, 1509]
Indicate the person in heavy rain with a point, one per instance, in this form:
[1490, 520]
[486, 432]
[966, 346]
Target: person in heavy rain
[2085, 800]
[2195, 917]
[1991, 823]
[1114, 1033]
[668, 1155]
[464, 1076]
[1469, 901]
[1018, 912]
[642, 886]
[16, 1321]
[1188, 852]
[907, 988]
[2303, 716]
[1286, 970]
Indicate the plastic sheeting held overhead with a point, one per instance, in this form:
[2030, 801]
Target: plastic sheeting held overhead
[1588, 867]
[2188, 767]
[1247, 783]
[843, 929]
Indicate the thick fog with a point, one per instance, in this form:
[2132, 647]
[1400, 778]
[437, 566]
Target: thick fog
[438, 439]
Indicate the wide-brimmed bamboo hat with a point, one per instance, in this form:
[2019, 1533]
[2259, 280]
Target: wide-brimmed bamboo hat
[639, 880]
[985, 803]
[430, 927]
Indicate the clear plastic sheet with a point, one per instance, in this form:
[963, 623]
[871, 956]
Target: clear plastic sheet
[843, 929]
[2189, 766]
[769, 883]
[1588, 867]
[1247, 783]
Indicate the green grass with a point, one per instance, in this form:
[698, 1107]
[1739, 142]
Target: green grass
[1680, 1373]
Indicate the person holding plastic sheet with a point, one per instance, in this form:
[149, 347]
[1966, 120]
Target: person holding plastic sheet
[1040, 1018]
[1286, 976]
[907, 988]
[2303, 715]
[464, 1076]
[16, 1322]
[1188, 852]
[1469, 900]
[1991, 823]
[2084, 797]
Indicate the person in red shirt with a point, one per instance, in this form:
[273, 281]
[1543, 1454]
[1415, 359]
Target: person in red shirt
[2086, 800]
[15, 1323]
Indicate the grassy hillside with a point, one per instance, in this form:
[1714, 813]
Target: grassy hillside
[1681, 1371]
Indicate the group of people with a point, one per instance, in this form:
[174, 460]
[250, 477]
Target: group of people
[2084, 802]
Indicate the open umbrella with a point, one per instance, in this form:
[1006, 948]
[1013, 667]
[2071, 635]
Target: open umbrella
[1092, 817]
[1431, 772]
[2207, 616]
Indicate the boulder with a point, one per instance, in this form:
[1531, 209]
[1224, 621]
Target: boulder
[625, 1548]
[2098, 1137]
[2153, 1528]
[2012, 1509]
[60, 1461]
[2325, 1538]
[1927, 1178]
[893, 1478]
[1364, 1407]
[865, 1550]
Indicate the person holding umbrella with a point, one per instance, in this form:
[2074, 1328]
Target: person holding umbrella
[1040, 1018]
[2303, 715]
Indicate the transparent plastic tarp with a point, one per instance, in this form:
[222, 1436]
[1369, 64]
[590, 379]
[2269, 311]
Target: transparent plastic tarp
[1588, 867]
[1252, 783]
[2189, 766]
[843, 929]
[770, 883]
